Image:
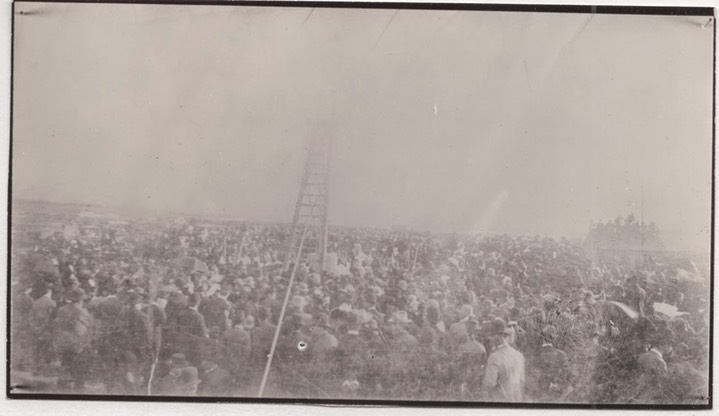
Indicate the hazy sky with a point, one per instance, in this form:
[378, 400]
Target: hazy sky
[525, 123]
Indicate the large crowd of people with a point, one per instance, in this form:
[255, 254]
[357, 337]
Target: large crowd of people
[183, 308]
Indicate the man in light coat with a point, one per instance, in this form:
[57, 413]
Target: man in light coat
[504, 378]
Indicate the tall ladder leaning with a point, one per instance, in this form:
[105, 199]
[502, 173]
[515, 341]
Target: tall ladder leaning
[311, 207]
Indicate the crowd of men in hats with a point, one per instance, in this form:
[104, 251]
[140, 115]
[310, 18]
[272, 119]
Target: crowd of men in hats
[405, 315]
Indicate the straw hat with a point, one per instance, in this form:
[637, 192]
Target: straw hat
[399, 317]
[298, 301]
[363, 316]
[348, 289]
[178, 361]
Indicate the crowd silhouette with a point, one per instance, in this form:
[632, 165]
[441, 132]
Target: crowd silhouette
[185, 308]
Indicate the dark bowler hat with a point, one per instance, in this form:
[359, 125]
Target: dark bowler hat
[323, 320]
[498, 327]
[188, 376]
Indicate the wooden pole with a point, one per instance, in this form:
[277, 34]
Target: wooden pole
[224, 247]
[153, 287]
[282, 315]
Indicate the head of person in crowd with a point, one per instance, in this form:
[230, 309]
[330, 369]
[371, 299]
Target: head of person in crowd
[473, 328]
[498, 333]
[135, 297]
[466, 312]
[264, 315]
[298, 321]
[298, 303]
[398, 322]
[183, 285]
[188, 380]
[195, 300]
[76, 296]
[176, 363]
[73, 282]
[514, 328]
[302, 288]
[433, 316]
[90, 287]
[322, 324]
[42, 288]
[215, 332]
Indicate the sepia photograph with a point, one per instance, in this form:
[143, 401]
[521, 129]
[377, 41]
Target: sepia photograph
[362, 203]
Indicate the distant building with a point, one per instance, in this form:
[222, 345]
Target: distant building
[624, 239]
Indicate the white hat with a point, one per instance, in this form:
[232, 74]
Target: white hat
[298, 301]
[399, 317]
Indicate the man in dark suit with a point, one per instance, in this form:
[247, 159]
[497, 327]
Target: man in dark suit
[323, 343]
[157, 319]
[181, 380]
[216, 310]
[469, 359]
[458, 330]
[636, 295]
[553, 367]
[652, 362]
[355, 356]
[110, 337]
[192, 330]
[74, 326]
[21, 303]
[430, 335]
[216, 381]
[652, 372]
[136, 332]
[236, 347]
[41, 314]
[135, 325]
[294, 344]
[177, 302]
[20, 328]
[261, 338]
